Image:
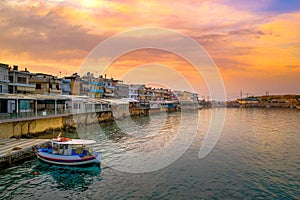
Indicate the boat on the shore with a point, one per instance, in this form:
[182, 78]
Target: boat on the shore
[72, 152]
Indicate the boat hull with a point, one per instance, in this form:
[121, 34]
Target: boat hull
[68, 160]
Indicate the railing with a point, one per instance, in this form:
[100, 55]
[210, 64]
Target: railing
[6, 117]
[90, 110]
[96, 83]
[49, 113]
[40, 114]
[96, 90]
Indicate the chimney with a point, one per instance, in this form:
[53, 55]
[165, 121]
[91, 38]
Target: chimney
[15, 67]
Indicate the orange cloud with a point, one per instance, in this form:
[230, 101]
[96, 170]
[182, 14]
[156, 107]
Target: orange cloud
[253, 50]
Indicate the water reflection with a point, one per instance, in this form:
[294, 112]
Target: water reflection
[257, 157]
[69, 177]
[37, 180]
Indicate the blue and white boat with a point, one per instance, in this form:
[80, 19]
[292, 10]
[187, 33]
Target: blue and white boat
[66, 151]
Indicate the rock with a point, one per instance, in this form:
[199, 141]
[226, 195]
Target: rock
[16, 148]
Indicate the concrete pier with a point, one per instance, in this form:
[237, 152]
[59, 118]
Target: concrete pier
[16, 150]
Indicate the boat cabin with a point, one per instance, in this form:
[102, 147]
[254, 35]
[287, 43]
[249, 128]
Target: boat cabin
[69, 147]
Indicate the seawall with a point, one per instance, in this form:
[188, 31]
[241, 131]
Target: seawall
[13, 151]
[31, 126]
[35, 126]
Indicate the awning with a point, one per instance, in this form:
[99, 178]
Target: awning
[27, 89]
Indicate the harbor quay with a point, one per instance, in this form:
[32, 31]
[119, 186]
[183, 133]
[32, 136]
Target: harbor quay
[25, 114]
[36, 103]
[33, 103]
[38, 114]
[13, 150]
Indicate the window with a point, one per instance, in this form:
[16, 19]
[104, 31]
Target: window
[50, 85]
[57, 86]
[11, 79]
[22, 80]
[76, 106]
[38, 86]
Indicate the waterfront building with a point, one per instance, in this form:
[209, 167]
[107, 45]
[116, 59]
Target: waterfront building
[153, 98]
[249, 101]
[19, 81]
[145, 95]
[148, 94]
[95, 86]
[142, 97]
[78, 85]
[195, 97]
[74, 83]
[46, 84]
[279, 101]
[120, 107]
[31, 105]
[137, 92]
[173, 96]
[121, 90]
[85, 104]
[4, 68]
[66, 86]
[140, 93]
[186, 96]
[161, 94]
[84, 86]
[187, 100]
[134, 91]
[157, 94]
[109, 88]
[95, 89]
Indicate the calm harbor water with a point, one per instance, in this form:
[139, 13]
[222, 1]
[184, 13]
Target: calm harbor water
[256, 157]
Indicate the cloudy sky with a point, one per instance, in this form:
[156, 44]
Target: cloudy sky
[254, 44]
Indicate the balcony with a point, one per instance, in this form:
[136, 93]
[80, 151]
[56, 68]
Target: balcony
[109, 94]
[96, 83]
[96, 91]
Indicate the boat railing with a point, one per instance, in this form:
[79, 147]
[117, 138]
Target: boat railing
[74, 150]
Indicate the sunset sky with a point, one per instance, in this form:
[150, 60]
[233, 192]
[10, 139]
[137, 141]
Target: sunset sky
[254, 44]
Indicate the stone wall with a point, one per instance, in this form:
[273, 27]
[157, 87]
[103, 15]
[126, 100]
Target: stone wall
[15, 129]
[136, 112]
[42, 125]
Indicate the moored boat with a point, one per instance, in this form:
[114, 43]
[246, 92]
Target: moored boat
[66, 151]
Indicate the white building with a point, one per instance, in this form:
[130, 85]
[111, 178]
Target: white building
[4, 68]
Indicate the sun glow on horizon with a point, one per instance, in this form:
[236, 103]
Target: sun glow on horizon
[255, 45]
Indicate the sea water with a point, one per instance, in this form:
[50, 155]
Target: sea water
[256, 156]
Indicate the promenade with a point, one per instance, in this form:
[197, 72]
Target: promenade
[16, 150]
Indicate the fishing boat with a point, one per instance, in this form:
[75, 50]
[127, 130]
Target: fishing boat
[66, 151]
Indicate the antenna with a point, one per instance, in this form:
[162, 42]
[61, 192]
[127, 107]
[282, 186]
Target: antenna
[267, 93]
[241, 94]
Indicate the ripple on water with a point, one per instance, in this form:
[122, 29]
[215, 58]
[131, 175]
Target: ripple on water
[256, 156]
